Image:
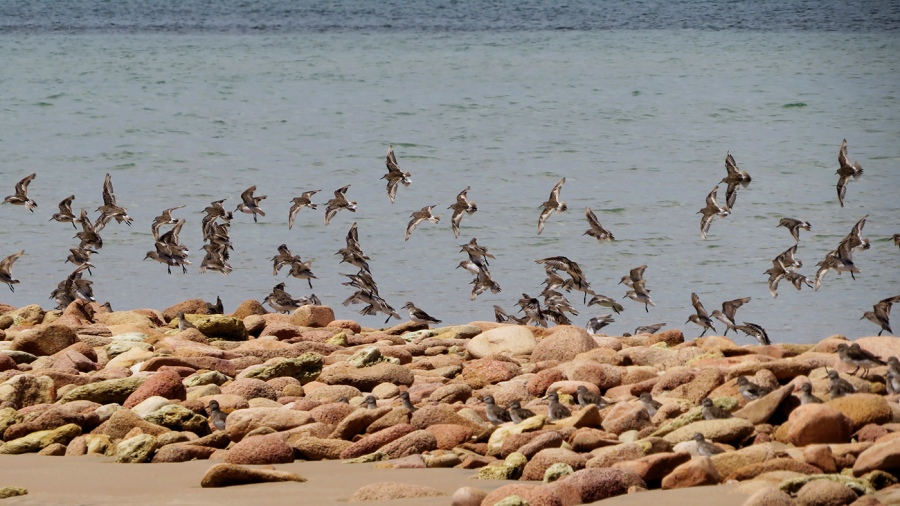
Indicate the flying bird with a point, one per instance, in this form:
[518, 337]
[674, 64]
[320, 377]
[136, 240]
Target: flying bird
[338, 203]
[395, 176]
[65, 214]
[881, 314]
[418, 217]
[250, 203]
[5, 268]
[794, 225]
[298, 203]
[552, 204]
[845, 172]
[20, 198]
[597, 229]
[461, 207]
[736, 177]
[709, 212]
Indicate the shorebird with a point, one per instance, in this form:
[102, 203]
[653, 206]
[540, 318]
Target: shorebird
[477, 254]
[280, 300]
[787, 259]
[419, 316]
[650, 404]
[81, 256]
[518, 413]
[556, 410]
[500, 316]
[164, 218]
[337, 203]
[250, 203]
[701, 318]
[736, 177]
[302, 270]
[495, 414]
[896, 238]
[20, 198]
[482, 282]
[604, 301]
[597, 229]
[371, 402]
[750, 390]
[216, 415]
[855, 355]
[752, 329]
[405, 402]
[585, 397]
[532, 309]
[635, 276]
[418, 217]
[642, 295]
[794, 226]
[726, 315]
[845, 172]
[378, 305]
[839, 387]
[712, 412]
[881, 314]
[395, 176]
[298, 203]
[110, 209]
[709, 212]
[183, 323]
[704, 447]
[65, 214]
[169, 256]
[283, 258]
[806, 395]
[461, 207]
[649, 329]
[596, 323]
[73, 288]
[893, 375]
[552, 204]
[216, 308]
[579, 281]
[90, 237]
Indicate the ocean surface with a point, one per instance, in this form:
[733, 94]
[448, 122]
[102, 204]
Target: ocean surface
[635, 103]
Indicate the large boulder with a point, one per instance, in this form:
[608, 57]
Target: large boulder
[312, 316]
[224, 475]
[488, 371]
[166, 383]
[304, 368]
[882, 456]
[256, 450]
[818, 423]
[507, 340]
[591, 485]
[725, 430]
[105, 392]
[242, 421]
[563, 344]
[216, 326]
[26, 389]
[543, 459]
[45, 340]
[367, 378]
[863, 409]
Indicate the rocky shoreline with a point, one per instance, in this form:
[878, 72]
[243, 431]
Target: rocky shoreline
[132, 386]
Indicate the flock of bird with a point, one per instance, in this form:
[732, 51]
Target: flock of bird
[562, 273]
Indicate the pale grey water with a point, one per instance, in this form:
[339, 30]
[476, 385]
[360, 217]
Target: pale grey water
[638, 121]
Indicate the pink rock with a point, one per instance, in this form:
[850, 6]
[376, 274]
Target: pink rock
[591, 485]
[312, 316]
[535, 495]
[419, 441]
[563, 344]
[549, 439]
[818, 423]
[696, 472]
[373, 442]
[507, 340]
[487, 371]
[624, 416]
[535, 468]
[884, 456]
[281, 331]
[45, 340]
[163, 383]
[825, 493]
[540, 382]
[386, 491]
[331, 413]
[250, 388]
[449, 435]
[366, 378]
[604, 376]
[182, 453]
[242, 421]
[266, 449]
[654, 467]
[7, 363]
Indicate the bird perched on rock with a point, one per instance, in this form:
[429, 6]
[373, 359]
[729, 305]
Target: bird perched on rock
[806, 395]
[585, 397]
[794, 225]
[183, 323]
[495, 414]
[552, 204]
[845, 172]
[371, 402]
[518, 413]
[893, 375]
[704, 447]
[419, 316]
[556, 410]
[855, 355]
[750, 390]
[404, 399]
[216, 416]
[839, 387]
[20, 198]
[650, 404]
[713, 412]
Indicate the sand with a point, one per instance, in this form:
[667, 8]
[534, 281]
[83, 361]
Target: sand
[93, 480]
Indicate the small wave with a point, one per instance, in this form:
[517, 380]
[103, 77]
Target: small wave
[794, 104]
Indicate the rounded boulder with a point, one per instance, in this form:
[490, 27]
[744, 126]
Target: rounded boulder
[504, 340]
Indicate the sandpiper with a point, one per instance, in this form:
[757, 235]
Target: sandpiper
[217, 308]
[794, 225]
[168, 256]
[65, 214]
[839, 387]
[650, 404]
[704, 447]
[750, 390]
[418, 217]
[495, 414]
[81, 256]
[532, 309]
[395, 176]
[635, 276]
[596, 323]
[164, 218]
[896, 238]
[73, 288]
[281, 301]
[250, 203]
[371, 402]
[845, 172]
[419, 316]
[881, 314]
[855, 355]
[585, 397]
[183, 323]
[649, 329]
[501, 316]
[20, 198]
[477, 254]
[298, 203]
[556, 410]
[216, 415]
[701, 318]
[734, 178]
[552, 204]
[806, 395]
[642, 295]
[461, 207]
[712, 412]
[604, 301]
[337, 203]
[283, 258]
[709, 212]
[89, 236]
[579, 281]
[726, 315]
[893, 375]
[405, 402]
[110, 209]
[518, 413]
[597, 229]
[303, 270]
[752, 329]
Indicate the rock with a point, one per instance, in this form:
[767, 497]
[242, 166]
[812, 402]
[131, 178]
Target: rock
[45, 340]
[312, 316]
[179, 418]
[696, 472]
[26, 389]
[315, 448]
[124, 421]
[540, 382]
[509, 340]
[419, 441]
[653, 468]
[729, 462]
[563, 344]
[356, 423]
[37, 441]
[592, 485]
[216, 326]
[333, 393]
[778, 464]
[726, 430]
[225, 475]
[105, 392]
[305, 368]
[7, 492]
[367, 378]
[510, 469]
[881, 456]
[182, 453]
[448, 394]
[760, 410]
[521, 494]
[385, 491]
[265, 449]
[243, 421]
[487, 371]
[557, 471]
[549, 439]
[818, 423]
[825, 493]
[54, 450]
[368, 356]
[624, 416]
[863, 409]
[166, 384]
[769, 496]
[543, 459]
[467, 496]
[372, 442]
[449, 435]
[250, 388]
[136, 450]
